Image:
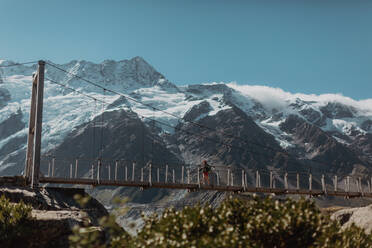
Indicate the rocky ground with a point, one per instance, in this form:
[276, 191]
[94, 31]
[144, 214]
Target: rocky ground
[55, 212]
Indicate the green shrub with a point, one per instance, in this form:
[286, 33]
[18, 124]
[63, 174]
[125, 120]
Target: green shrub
[15, 222]
[237, 223]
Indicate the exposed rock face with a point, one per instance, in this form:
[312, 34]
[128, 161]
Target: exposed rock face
[361, 217]
[337, 110]
[4, 97]
[236, 140]
[319, 146]
[11, 125]
[197, 111]
[55, 212]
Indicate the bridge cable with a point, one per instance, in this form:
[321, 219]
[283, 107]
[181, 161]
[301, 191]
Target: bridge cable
[297, 160]
[163, 111]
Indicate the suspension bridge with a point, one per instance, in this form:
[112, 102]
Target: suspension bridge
[124, 173]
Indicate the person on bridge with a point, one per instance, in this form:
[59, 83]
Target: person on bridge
[205, 168]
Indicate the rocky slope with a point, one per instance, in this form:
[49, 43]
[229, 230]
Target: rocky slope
[55, 213]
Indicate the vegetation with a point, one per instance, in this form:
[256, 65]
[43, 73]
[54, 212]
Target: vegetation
[15, 222]
[236, 223]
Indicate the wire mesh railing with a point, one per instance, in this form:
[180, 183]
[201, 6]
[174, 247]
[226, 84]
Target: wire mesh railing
[132, 171]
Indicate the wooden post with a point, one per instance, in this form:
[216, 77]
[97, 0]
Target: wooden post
[198, 177]
[142, 174]
[53, 165]
[150, 179]
[166, 173]
[345, 181]
[31, 131]
[228, 177]
[232, 179]
[99, 170]
[360, 185]
[257, 179]
[271, 179]
[243, 179]
[126, 173]
[49, 169]
[335, 181]
[218, 178]
[158, 174]
[324, 189]
[182, 172]
[298, 181]
[76, 167]
[133, 170]
[246, 180]
[286, 180]
[174, 177]
[348, 183]
[116, 170]
[38, 125]
[92, 171]
[188, 176]
[274, 186]
[310, 182]
[70, 170]
[109, 172]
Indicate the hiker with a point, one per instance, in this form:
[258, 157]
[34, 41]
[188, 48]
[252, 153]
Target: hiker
[205, 168]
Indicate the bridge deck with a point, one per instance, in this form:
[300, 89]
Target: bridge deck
[195, 187]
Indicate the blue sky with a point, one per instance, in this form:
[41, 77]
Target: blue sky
[318, 46]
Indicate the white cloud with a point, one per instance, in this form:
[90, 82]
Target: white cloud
[277, 98]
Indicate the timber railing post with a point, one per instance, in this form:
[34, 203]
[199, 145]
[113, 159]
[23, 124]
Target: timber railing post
[228, 177]
[298, 181]
[116, 170]
[133, 170]
[76, 167]
[335, 181]
[158, 174]
[218, 178]
[166, 173]
[49, 169]
[310, 182]
[182, 172]
[150, 172]
[198, 178]
[324, 189]
[126, 173]
[70, 170]
[271, 179]
[99, 170]
[188, 175]
[53, 165]
[92, 176]
[174, 176]
[286, 181]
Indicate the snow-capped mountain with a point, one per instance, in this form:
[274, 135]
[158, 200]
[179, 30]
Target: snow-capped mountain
[324, 129]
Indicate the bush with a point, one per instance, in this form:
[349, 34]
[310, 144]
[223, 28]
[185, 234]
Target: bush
[15, 222]
[253, 223]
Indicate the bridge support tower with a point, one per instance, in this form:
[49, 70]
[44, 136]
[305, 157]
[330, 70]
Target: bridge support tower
[32, 164]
